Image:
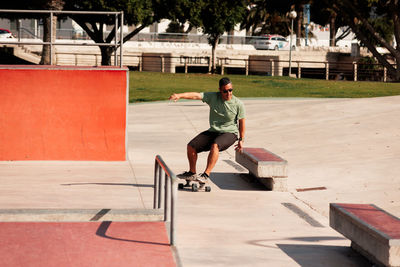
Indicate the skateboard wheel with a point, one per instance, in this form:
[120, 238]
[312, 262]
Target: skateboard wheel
[180, 186]
[208, 189]
[195, 188]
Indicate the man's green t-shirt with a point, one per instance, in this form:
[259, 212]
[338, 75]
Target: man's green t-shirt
[224, 115]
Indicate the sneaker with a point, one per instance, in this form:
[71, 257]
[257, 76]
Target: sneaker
[202, 179]
[190, 176]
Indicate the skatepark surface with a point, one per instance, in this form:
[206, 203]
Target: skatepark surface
[348, 148]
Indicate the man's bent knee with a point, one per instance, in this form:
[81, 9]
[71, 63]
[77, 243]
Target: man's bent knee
[214, 147]
[190, 148]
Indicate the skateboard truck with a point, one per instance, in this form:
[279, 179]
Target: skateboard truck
[195, 186]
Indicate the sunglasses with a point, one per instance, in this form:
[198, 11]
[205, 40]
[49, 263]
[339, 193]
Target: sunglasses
[226, 91]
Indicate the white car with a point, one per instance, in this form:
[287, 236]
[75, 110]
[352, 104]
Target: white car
[5, 34]
[272, 42]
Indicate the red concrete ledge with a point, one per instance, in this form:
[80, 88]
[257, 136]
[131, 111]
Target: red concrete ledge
[260, 155]
[64, 67]
[85, 244]
[268, 167]
[373, 232]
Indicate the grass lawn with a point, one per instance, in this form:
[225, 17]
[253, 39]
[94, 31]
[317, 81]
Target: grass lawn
[153, 86]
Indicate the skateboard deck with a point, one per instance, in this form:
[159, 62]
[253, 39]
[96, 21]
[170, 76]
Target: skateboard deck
[195, 186]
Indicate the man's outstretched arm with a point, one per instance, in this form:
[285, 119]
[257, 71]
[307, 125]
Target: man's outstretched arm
[187, 95]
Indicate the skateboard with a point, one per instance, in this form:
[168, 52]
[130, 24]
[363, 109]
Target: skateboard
[194, 185]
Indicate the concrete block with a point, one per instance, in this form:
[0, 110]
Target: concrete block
[269, 168]
[373, 232]
[158, 62]
[275, 184]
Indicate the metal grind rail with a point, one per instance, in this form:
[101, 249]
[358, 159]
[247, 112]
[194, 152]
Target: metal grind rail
[166, 194]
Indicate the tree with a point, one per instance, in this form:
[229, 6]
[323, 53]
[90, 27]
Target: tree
[272, 17]
[217, 17]
[185, 11]
[370, 21]
[323, 15]
[140, 13]
[214, 17]
[266, 17]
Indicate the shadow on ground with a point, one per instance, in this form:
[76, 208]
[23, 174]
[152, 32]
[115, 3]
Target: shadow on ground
[321, 255]
[236, 181]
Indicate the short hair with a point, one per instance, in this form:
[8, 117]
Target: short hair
[224, 81]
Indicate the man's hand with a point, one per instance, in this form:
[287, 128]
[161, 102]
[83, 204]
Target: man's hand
[174, 97]
[239, 146]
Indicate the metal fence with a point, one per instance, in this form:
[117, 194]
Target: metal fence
[117, 38]
[166, 195]
[262, 65]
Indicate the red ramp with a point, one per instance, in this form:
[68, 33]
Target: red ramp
[84, 244]
[63, 113]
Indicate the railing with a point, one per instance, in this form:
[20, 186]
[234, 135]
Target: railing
[263, 65]
[166, 194]
[51, 13]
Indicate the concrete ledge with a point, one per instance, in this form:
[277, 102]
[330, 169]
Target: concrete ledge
[80, 215]
[269, 168]
[373, 232]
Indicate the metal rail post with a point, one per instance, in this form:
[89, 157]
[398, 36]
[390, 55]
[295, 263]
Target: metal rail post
[167, 197]
[121, 39]
[156, 185]
[160, 187]
[162, 64]
[51, 38]
[326, 71]
[355, 70]
[298, 70]
[170, 196]
[186, 65]
[116, 40]
[272, 67]
[384, 74]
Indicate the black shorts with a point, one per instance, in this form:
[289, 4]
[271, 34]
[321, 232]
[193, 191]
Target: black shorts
[204, 140]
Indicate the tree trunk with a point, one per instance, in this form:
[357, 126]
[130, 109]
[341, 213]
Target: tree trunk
[48, 55]
[47, 37]
[106, 53]
[213, 53]
[298, 29]
[332, 30]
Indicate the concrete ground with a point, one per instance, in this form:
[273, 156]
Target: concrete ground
[349, 146]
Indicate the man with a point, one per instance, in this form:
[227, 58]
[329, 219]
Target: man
[227, 125]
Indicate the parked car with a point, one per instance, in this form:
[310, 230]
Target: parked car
[5, 34]
[272, 42]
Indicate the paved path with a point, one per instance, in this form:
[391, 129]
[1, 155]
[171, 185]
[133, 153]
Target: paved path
[349, 146]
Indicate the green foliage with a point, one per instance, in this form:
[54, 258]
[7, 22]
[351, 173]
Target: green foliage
[383, 26]
[175, 27]
[374, 22]
[150, 86]
[135, 11]
[215, 17]
[32, 4]
[267, 17]
[218, 16]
